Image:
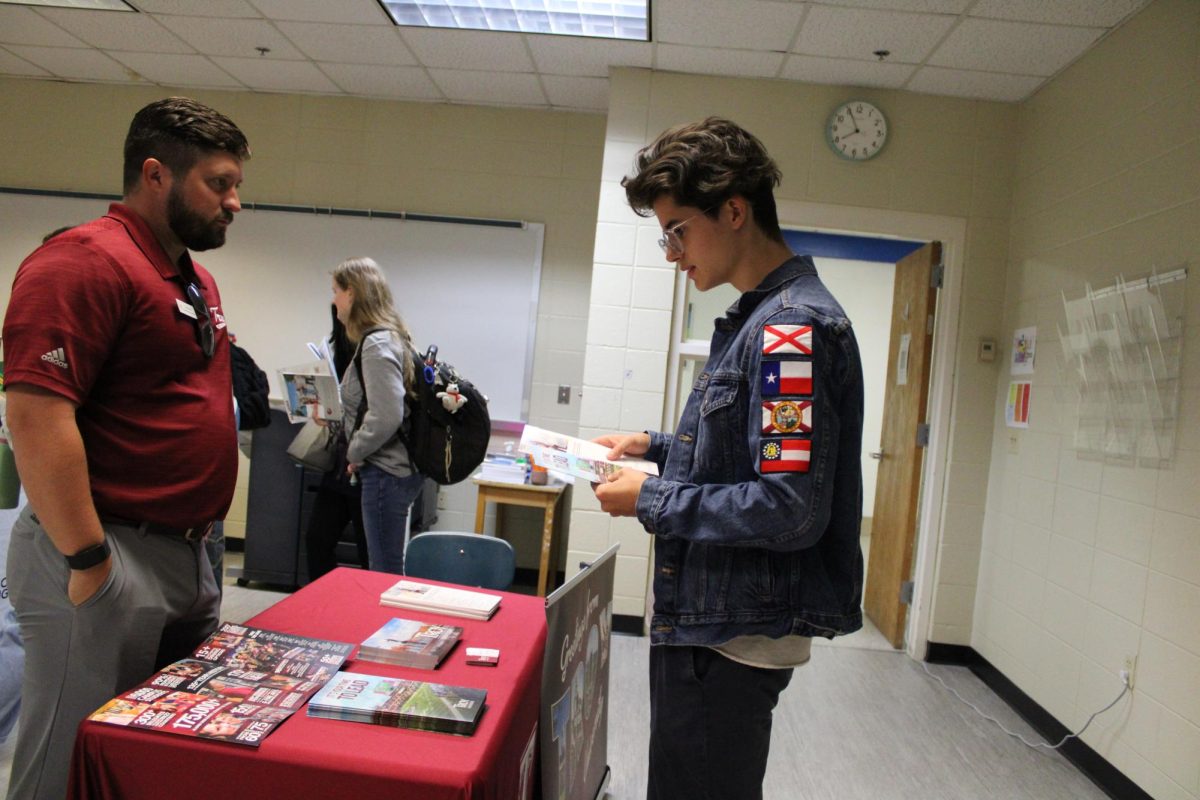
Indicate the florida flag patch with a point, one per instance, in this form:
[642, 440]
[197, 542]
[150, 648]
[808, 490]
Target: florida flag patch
[784, 455]
[787, 416]
[787, 339]
[786, 377]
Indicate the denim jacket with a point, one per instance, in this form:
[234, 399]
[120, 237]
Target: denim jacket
[740, 547]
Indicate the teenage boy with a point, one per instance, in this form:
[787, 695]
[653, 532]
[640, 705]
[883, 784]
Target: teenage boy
[756, 512]
[120, 406]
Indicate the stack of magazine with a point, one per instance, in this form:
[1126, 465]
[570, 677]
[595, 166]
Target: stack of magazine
[399, 703]
[238, 686]
[441, 600]
[409, 643]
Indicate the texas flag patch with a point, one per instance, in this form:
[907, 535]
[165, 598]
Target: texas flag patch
[787, 416]
[784, 455]
[787, 339]
[786, 377]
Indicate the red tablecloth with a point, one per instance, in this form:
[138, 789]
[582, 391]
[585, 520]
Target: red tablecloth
[307, 757]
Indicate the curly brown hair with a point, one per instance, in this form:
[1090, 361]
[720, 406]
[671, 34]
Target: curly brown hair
[702, 164]
[178, 131]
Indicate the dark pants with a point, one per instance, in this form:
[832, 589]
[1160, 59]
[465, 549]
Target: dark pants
[710, 724]
[332, 510]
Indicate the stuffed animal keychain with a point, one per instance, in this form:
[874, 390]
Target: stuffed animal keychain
[452, 401]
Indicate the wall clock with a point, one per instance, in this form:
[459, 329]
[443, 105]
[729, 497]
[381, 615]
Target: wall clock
[856, 130]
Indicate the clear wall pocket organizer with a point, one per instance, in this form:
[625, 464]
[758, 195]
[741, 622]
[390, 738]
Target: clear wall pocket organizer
[1122, 349]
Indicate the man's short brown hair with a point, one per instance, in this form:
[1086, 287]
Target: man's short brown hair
[178, 131]
[702, 164]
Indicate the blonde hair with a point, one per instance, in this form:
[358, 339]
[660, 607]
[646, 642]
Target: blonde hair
[373, 306]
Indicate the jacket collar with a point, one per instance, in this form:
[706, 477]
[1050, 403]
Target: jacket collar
[788, 271]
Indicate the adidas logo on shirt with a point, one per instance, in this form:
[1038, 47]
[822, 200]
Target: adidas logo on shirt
[56, 357]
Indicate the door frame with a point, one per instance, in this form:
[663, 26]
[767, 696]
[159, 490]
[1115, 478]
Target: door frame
[884, 223]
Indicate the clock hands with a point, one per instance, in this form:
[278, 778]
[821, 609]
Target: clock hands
[850, 111]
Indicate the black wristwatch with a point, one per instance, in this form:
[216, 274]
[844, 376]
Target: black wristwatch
[89, 556]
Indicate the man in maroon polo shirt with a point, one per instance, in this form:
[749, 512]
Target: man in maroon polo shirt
[120, 406]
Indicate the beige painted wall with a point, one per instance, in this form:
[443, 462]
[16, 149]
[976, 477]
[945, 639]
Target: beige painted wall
[1085, 562]
[456, 160]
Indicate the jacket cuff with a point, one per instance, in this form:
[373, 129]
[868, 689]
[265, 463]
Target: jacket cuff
[650, 500]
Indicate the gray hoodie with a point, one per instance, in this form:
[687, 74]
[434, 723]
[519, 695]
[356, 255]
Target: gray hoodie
[377, 439]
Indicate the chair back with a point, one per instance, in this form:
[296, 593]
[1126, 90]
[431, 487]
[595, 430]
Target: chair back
[468, 559]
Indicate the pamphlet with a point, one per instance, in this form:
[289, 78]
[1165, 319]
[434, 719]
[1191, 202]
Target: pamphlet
[576, 458]
[399, 703]
[311, 393]
[409, 643]
[441, 600]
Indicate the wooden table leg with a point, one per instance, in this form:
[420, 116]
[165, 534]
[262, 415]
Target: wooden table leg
[547, 540]
[480, 508]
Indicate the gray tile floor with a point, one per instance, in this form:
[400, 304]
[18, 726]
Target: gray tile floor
[860, 722]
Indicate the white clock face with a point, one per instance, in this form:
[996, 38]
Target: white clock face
[856, 130]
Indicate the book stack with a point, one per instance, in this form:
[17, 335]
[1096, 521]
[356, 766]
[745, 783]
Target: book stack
[418, 596]
[408, 643]
[502, 469]
[399, 703]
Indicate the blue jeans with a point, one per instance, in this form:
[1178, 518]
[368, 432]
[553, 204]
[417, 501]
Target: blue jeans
[386, 500]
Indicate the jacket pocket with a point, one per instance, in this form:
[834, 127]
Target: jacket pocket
[720, 431]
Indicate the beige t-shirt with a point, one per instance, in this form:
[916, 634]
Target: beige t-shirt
[767, 653]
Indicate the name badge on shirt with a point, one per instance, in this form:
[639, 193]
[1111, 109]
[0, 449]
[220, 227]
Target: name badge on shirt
[185, 308]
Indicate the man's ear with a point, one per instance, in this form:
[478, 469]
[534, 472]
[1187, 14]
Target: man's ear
[739, 211]
[155, 174]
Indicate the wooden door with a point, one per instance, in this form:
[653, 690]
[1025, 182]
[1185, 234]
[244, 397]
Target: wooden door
[893, 532]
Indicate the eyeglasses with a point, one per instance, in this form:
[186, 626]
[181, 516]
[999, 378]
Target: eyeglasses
[205, 331]
[672, 238]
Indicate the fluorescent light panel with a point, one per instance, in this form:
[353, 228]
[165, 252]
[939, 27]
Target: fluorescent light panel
[615, 19]
[95, 5]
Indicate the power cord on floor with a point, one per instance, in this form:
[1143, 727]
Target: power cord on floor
[1024, 741]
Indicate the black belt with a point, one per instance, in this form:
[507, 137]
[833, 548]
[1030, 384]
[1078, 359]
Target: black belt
[196, 533]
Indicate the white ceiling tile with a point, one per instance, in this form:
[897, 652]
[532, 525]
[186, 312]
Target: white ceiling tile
[232, 37]
[923, 6]
[12, 65]
[559, 55]
[571, 92]
[398, 83]
[351, 44]
[472, 86]
[115, 31]
[25, 26]
[983, 85]
[715, 61]
[746, 24]
[273, 75]
[469, 50]
[858, 32]
[191, 8]
[177, 70]
[71, 62]
[1018, 47]
[354, 12]
[812, 69]
[1094, 13]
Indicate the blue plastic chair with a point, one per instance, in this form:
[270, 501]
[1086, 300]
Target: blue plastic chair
[469, 559]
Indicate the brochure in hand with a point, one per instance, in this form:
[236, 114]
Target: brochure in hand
[409, 643]
[440, 600]
[399, 703]
[311, 392]
[238, 686]
[576, 458]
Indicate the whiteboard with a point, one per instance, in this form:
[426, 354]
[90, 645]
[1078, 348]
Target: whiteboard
[469, 288]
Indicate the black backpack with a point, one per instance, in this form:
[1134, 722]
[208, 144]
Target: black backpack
[250, 387]
[444, 446]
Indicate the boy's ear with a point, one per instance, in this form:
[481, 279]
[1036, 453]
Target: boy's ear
[739, 211]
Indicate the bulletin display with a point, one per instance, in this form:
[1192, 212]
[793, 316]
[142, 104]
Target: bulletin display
[468, 286]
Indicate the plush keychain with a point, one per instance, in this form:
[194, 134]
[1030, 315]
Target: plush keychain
[452, 401]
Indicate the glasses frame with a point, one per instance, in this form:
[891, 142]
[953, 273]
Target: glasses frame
[672, 239]
[206, 332]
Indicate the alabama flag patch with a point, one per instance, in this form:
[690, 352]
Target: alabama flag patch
[784, 455]
[786, 377]
[781, 340]
[787, 416]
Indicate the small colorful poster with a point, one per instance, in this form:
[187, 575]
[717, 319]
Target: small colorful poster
[1023, 351]
[1016, 408]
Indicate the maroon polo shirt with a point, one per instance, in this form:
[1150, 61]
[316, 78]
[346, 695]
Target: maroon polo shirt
[98, 315]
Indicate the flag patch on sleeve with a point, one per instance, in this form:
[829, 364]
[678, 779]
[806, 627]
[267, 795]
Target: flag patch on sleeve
[784, 455]
[786, 377]
[787, 416]
[787, 339]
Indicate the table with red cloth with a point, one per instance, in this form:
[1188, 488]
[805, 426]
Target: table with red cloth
[310, 757]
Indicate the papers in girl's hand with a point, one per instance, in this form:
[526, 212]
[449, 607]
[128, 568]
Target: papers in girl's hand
[578, 458]
[311, 392]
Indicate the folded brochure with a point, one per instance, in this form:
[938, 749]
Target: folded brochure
[399, 702]
[576, 458]
[440, 599]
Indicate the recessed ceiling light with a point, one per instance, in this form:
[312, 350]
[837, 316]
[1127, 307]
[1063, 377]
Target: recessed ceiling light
[95, 5]
[610, 19]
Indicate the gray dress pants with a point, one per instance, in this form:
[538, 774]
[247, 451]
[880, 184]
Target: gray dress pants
[159, 602]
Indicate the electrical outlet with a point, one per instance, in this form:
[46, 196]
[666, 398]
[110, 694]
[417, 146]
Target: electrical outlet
[1129, 670]
[441, 500]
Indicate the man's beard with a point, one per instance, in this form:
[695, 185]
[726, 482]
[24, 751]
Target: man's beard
[194, 231]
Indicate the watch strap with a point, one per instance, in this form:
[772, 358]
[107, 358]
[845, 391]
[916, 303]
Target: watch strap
[89, 556]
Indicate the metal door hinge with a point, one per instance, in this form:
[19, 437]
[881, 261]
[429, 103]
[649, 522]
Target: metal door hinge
[936, 277]
[906, 593]
[923, 435]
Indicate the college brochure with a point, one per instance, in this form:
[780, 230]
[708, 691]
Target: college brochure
[576, 458]
[311, 392]
[399, 703]
[441, 600]
[409, 643]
